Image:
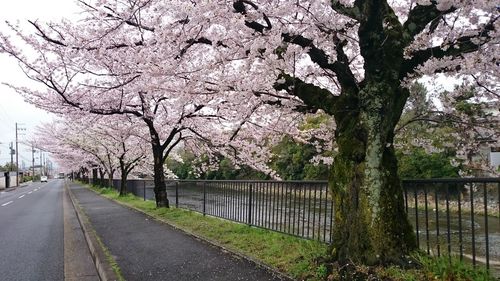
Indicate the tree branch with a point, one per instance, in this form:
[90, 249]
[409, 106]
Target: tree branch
[239, 7]
[176, 142]
[352, 12]
[201, 40]
[440, 117]
[340, 67]
[313, 96]
[420, 16]
[462, 45]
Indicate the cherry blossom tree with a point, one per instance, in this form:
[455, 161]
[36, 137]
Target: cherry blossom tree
[112, 65]
[126, 143]
[71, 146]
[354, 61]
[110, 143]
[171, 63]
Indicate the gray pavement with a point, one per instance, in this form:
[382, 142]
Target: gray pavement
[31, 233]
[146, 249]
[78, 263]
[40, 237]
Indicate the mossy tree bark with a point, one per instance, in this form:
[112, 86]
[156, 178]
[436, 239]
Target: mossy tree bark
[123, 185]
[110, 178]
[160, 188]
[370, 223]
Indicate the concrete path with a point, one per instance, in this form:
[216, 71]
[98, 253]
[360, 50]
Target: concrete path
[146, 249]
[78, 263]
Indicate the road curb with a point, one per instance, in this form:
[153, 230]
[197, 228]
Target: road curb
[104, 269]
[238, 254]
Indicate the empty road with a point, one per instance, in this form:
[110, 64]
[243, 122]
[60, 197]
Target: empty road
[32, 232]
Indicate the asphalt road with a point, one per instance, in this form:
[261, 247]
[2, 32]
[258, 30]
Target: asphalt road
[32, 232]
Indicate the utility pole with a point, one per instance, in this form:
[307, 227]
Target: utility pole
[12, 151]
[33, 162]
[17, 153]
[45, 166]
[17, 160]
[41, 165]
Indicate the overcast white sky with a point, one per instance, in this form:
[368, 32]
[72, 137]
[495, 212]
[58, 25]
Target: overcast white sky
[12, 106]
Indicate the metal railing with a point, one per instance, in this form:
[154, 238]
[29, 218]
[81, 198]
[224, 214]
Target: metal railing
[456, 217]
[453, 217]
[299, 208]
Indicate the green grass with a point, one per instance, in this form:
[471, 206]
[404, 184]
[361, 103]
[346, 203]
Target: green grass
[296, 257]
[437, 268]
[444, 269]
[110, 259]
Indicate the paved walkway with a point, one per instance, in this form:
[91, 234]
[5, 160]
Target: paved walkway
[146, 249]
[78, 263]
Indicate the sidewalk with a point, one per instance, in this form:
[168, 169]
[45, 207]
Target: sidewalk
[78, 263]
[146, 249]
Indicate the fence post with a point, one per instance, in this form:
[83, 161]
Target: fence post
[250, 205]
[144, 189]
[204, 197]
[176, 194]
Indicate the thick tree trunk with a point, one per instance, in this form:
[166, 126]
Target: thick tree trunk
[123, 178]
[160, 188]
[371, 226]
[110, 179]
[123, 184]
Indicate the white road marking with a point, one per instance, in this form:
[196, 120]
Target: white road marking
[5, 204]
[35, 190]
[21, 196]
[30, 192]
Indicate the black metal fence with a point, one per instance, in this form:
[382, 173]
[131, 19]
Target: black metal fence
[456, 217]
[298, 208]
[453, 217]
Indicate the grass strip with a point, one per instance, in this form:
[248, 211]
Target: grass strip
[114, 265]
[109, 258]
